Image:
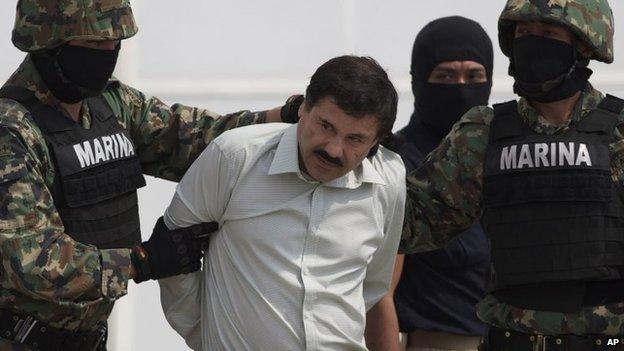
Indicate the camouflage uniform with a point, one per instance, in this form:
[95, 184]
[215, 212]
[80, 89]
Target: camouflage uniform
[444, 196]
[44, 272]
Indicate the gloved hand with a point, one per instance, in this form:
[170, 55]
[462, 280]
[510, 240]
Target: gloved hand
[290, 111]
[171, 252]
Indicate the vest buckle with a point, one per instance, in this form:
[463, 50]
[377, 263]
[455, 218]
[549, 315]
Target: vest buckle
[23, 328]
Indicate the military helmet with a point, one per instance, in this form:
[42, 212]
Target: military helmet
[590, 20]
[46, 24]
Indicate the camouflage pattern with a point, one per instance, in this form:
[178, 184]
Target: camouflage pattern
[444, 197]
[41, 25]
[590, 20]
[44, 272]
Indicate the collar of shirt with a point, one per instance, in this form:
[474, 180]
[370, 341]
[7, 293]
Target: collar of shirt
[27, 77]
[589, 99]
[286, 160]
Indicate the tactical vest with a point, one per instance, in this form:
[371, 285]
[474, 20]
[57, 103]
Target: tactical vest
[97, 172]
[553, 213]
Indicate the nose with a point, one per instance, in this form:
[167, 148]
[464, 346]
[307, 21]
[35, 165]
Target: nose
[462, 80]
[334, 147]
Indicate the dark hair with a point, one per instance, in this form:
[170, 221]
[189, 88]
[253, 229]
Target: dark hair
[359, 86]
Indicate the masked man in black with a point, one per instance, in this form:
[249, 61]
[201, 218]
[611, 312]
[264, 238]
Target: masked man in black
[451, 70]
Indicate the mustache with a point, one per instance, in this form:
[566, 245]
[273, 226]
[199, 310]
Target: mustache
[333, 160]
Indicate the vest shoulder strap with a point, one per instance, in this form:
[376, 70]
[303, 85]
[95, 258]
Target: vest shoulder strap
[19, 94]
[506, 122]
[604, 118]
[100, 109]
[505, 108]
[612, 104]
[46, 118]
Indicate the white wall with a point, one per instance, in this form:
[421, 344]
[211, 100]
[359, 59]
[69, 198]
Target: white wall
[246, 54]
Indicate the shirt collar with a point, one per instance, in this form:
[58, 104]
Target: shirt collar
[286, 160]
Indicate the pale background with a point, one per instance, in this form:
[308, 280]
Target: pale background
[252, 54]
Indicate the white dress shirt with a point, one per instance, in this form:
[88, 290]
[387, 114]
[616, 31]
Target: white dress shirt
[295, 264]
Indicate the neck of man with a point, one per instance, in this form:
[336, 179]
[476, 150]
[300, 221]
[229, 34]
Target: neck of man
[73, 110]
[557, 112]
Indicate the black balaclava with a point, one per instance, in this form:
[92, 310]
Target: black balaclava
[454, 38]
[73, 73]
[547, 70]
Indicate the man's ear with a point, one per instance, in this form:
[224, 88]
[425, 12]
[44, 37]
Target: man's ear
[301, 109]
[373, 151]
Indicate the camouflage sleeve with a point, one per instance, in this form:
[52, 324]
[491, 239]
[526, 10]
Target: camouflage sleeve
[617, 150]
[38, 259]
[444, 193]
[169, 138]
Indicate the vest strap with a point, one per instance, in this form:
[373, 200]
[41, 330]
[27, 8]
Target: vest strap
[604, 118]
[18, 94]
[612, 104]
[506, 121]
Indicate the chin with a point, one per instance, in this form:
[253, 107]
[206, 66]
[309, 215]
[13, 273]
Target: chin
[325, 176]
[322, 173]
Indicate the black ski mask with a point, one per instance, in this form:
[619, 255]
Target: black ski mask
[455, 38]
[547, 70]
[73, 73]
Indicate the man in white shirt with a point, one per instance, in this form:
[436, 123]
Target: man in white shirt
[310, 219]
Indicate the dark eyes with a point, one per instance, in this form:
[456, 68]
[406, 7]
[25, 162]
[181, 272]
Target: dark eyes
[477, 76]
[355, 139]
[443, 76]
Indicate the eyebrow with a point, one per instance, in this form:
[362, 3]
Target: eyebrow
[445, 70]
[358, 135]
[474, 70]
[325, 121]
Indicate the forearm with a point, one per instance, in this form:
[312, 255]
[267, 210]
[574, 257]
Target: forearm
[443, 195]
[274, 115]
[47, 264]
[168, 138]
[168, 151]
[382, 327]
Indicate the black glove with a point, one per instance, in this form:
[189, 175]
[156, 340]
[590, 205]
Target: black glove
[290, 111]
[171, 252]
